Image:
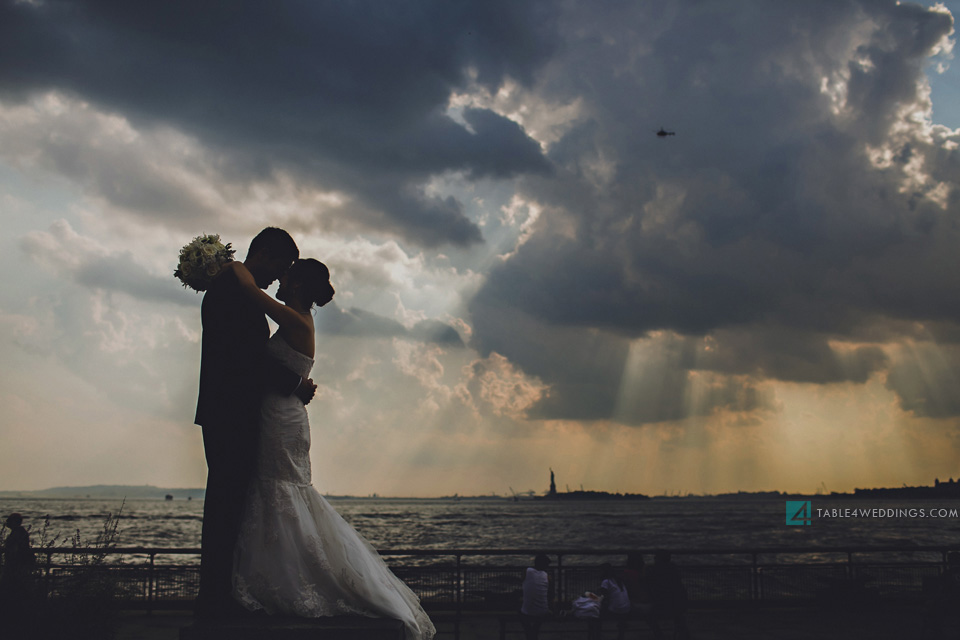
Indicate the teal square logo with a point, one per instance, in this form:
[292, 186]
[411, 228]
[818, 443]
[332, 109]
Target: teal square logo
[799, 512]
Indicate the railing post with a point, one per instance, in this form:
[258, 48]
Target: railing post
[561, 592]
[151, 576]
[755, 579]
[459, 599]
[47, 581]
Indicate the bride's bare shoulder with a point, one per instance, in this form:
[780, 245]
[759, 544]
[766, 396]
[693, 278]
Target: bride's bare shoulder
[237, 273]
[231, 268]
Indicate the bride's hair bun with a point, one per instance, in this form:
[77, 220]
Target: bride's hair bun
[314, 280]
[324, 294]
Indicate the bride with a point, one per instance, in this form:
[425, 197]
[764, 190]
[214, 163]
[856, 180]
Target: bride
[295, 555]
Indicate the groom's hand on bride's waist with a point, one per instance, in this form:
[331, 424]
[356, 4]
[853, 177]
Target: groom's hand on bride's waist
[306, 390]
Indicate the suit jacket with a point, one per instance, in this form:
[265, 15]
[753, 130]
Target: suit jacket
[234, 366]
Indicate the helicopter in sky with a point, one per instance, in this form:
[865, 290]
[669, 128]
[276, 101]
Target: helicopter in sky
[663, 133]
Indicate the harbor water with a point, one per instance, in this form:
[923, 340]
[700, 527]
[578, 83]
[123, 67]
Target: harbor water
[672, 523]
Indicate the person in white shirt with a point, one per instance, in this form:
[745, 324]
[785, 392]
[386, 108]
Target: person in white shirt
[537, 595]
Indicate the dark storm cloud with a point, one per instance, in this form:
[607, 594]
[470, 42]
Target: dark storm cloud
[351, 95]
[583, 370]
[122, 273]
[365, 324]
[800, 203]
[785, 354]
[592, 375]
[75, 258]
[926, 378]
[436, 332]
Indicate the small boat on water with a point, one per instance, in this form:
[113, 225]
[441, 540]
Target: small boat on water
[168, 497]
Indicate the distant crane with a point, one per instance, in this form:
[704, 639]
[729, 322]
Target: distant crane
[663, 133]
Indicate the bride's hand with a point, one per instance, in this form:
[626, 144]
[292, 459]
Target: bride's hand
[306, 390]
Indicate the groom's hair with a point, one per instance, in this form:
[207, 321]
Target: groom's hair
[276, 242]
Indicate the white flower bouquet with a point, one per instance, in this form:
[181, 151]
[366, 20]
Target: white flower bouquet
[201, 261]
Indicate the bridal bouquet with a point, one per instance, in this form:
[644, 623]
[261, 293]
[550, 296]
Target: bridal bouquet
[201, 260]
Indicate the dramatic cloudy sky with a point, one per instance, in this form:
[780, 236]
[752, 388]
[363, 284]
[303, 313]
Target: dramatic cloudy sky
[527, 276]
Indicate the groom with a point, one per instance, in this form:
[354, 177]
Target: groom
[235, 370]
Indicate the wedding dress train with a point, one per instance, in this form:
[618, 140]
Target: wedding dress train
[295, 554]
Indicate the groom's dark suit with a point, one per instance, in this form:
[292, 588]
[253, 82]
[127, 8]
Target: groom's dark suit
[234, 369]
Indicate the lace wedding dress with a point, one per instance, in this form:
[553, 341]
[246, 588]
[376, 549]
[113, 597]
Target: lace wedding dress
[295, 555]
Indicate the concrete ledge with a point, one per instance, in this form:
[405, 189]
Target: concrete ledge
[267, 628]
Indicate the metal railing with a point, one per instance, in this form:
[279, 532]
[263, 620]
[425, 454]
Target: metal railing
[490, 579]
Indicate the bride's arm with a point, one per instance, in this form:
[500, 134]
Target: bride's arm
[283, 315]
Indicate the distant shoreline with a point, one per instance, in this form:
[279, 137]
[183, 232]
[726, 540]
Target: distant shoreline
[940, 491]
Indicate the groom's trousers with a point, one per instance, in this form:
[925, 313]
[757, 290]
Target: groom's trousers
[230, 451]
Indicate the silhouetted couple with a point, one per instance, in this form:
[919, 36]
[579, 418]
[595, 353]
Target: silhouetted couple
[270, 541]
[656, 592]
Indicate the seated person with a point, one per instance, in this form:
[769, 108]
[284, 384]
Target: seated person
[616, 600]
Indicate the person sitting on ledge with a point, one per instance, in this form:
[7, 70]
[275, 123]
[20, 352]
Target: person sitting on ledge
[616, 600]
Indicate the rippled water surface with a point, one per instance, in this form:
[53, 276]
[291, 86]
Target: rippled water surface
[527, 525]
